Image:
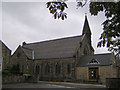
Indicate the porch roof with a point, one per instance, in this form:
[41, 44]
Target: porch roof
[102, 59]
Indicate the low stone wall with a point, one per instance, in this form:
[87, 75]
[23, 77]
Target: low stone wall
[113, 82]
[18, 79]
[12, 79]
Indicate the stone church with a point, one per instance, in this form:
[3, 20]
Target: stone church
[65, 59]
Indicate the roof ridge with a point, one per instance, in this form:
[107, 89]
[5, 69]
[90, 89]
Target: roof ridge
[97, 54]
[5, 45]
[102, 53]
[27, 48]
[54, 39]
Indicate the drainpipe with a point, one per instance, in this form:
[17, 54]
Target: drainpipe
[33, 56]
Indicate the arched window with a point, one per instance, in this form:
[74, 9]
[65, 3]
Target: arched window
[77, 54]
[37, 69]
[57, 68]
[47, 69]
[68, 69]
[85, 51]
[22, 68]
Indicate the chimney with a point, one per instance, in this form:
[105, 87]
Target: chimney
[24, 43]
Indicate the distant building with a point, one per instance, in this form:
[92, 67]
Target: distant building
[0, 56]
[65, 59]
[0, 61]
[5, 54]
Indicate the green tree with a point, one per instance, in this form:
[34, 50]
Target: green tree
[111, 26]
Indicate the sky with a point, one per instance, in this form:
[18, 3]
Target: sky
[31, 22]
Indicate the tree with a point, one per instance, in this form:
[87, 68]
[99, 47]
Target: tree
[111, 26]
[57, 9]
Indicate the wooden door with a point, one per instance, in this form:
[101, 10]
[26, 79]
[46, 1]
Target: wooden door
[93, 73]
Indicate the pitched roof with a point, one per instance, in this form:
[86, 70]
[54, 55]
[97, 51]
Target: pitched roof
[3, 44]
[58, 48]
[102, 59]
[28, 52]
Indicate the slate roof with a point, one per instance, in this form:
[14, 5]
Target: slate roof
[103, 59]
[28, 52]
[58, 48]
[1, 44]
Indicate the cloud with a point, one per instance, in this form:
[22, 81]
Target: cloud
[32, 22]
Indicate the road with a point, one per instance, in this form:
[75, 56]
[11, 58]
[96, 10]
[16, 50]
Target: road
[32, 85]
[45, 84]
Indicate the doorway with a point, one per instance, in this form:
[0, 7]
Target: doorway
[93, 74]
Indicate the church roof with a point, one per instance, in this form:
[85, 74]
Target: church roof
[102, 59]
[58, 48]
[3, 44]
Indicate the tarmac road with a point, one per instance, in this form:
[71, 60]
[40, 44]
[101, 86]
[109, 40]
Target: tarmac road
[45, 84]
[32, 85]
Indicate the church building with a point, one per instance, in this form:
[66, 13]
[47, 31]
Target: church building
[65, 59]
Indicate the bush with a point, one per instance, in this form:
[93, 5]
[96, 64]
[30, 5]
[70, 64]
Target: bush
[15, 69]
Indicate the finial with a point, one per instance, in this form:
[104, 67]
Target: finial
[85, 15]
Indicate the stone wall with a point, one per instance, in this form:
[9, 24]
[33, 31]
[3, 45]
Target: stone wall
[29, 66]
[85, 46]
[6, 54]
[52, 74]
[19, 57]
[107, 72]
[82, 73]
[12, 79]
[19, 79]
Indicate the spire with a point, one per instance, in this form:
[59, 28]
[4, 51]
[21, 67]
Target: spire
[86, 28]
